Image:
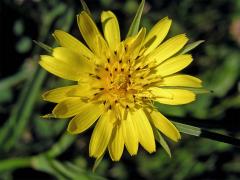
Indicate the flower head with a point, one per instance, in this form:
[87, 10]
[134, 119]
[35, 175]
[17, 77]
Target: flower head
[117, 82]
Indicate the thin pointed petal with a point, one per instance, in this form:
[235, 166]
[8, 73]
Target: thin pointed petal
[165, 126]
[174, 65]
[101, 135]
[173, 96]
[116, 144]
[68, 41]
[129, 135]
[68, 108]
[84, 119]
[111, 29]
[157, 34]
[181, 80]
[144, 131]
[168, 48]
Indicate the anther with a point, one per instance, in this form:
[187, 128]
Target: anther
[141, 77]
[101, 89]
[120, 61]
[115, 52]
[98, 77]
[110, 74]
[106, 69]
[129, 75]
[115, 69]
[108, 60]
[110, 107]
[122, 69]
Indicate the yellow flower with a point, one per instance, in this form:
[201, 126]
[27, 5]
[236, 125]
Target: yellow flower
[117, 83]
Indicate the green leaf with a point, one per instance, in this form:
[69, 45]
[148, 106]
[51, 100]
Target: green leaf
[14, 163]
[85, 7]
[191, 46]
[161, 141]
[136, 21]
[65, 142]
[187, 129]
[44, 46]
[97, 163]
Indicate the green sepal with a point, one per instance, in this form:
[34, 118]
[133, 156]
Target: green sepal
[97, 163]
[44, 46]
[161, 141]
[133, 30]
[187, 129]
[195, 90]
[85, 8]
[191, 46]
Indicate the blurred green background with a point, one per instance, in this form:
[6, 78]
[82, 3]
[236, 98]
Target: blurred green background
[36, 148]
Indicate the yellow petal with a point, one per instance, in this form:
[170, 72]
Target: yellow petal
[165, 126]
[84, 119]
[116, 144]
[68, 108]
[82, 90]
[144, 130]
[157, 34]
[181, 80]
[59, 94]
[101, 135]
[73, 59]
[130, 135]
[59, 68]
[111, 29]
[174, 65]
[134, 44]
[168, 48]
[173, 96]
[68, 41]
[90, 32]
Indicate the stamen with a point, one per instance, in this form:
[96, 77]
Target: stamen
[126, 48]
